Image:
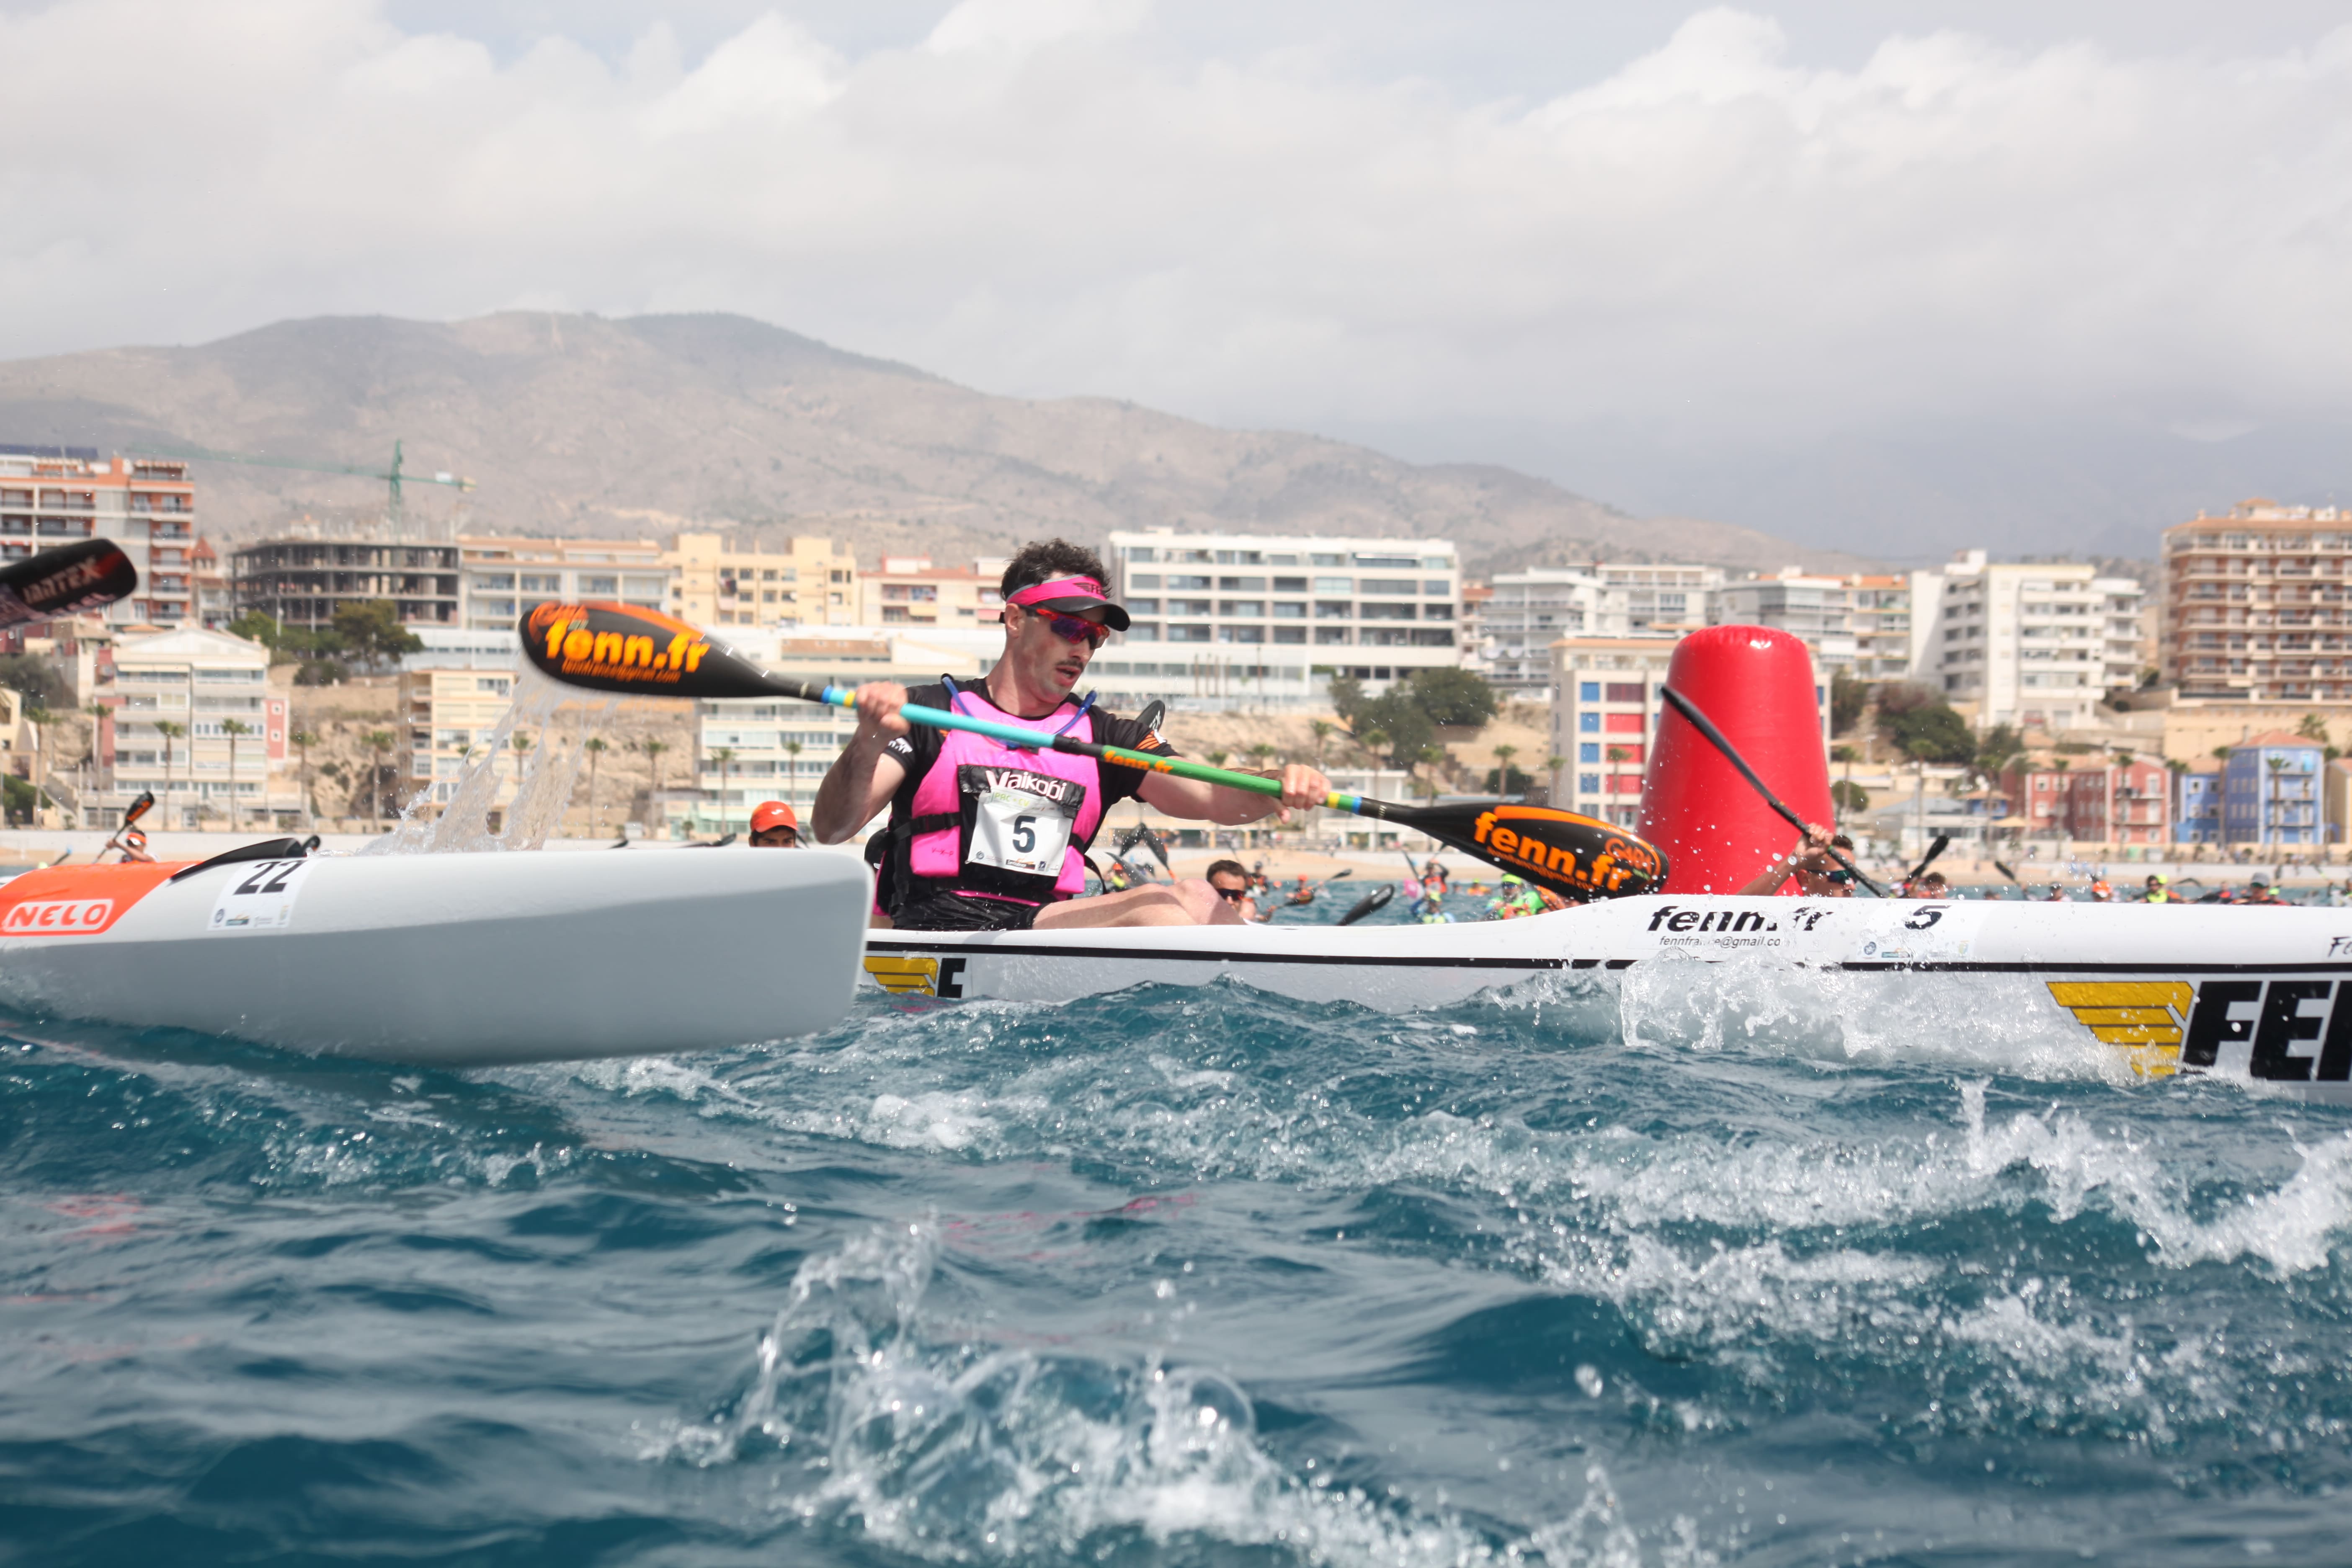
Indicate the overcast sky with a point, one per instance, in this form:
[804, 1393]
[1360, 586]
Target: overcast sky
[1480, 230]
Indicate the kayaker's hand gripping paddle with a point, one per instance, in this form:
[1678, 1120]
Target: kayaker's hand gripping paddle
[643, 653]
[1715, 737]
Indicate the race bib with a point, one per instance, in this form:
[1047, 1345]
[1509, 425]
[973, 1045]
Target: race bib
[1021, 822]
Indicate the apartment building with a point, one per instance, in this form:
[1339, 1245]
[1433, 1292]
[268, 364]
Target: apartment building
[2034, 644]
[302, 577]
[193, 720]
[1878, 608]
[1377, 609]
[2197, 805]
[2114, 802]
[2257, 606]
[2269, 791]
[1527, 612]
[53, 495]
[2335, 804]
[450, 715]
[716, 581]
[1818, 610]
[500, 578]
[909, 591]
[1662, 598]
[750, 751]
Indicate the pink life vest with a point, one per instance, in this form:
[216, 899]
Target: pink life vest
[970, 784]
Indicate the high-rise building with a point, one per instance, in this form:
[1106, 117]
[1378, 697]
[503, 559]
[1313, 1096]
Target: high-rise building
[53, 495]
[1301, 608]
[2034, 644]
[2257, 606]
[1527, 612]
[502, 577]
[717, 581]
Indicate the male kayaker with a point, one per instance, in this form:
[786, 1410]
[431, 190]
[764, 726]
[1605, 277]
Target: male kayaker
[775, 826]
[1233, 885]
[984, 836]
[2159, 891]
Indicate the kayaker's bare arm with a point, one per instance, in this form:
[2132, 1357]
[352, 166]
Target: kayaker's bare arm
[1302, 786]
[1811, 852]
[862, 780]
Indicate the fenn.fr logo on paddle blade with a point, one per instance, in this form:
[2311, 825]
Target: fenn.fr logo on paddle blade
[1564, 848]
[616, 646]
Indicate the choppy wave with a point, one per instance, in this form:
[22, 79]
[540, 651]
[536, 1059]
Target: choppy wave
[1685, 1270]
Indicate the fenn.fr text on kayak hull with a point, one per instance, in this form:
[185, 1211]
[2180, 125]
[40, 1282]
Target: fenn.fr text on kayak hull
[2168, 991]
[446, 960]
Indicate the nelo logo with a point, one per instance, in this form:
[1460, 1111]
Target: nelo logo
[59, 917]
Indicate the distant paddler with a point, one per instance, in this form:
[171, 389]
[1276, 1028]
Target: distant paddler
[987, 836]
[775, 826]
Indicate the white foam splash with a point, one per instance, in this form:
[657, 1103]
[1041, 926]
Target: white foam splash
[962, 1451]
[545, 777]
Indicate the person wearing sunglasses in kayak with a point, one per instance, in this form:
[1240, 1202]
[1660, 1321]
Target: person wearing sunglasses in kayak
[985, 837]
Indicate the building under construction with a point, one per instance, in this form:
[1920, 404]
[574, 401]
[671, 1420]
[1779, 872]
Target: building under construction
[303, 581]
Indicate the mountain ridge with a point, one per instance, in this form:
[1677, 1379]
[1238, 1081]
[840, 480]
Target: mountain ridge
[619, 426]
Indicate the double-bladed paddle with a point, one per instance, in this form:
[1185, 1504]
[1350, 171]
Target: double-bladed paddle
[643, 653]
[1715, 737]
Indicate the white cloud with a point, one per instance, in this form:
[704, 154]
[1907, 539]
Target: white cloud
[1043, 197]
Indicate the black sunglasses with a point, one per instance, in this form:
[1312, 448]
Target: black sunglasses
[1233, 895]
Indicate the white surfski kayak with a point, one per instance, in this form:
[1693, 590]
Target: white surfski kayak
[446, 960]
[2262, 993]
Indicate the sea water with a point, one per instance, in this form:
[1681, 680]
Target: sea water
[1658, 1274]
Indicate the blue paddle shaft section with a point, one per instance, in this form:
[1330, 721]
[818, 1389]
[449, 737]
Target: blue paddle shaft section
[940, 718]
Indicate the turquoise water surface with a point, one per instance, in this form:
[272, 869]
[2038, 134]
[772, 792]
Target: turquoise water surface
[1174, 1277]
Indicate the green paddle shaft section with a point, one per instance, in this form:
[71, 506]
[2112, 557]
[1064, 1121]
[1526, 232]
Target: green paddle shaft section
[1015, 735]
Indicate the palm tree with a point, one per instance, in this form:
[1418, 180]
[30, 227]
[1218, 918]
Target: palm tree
[98, 712]
[653, 751]
[303, 740]
[1371, 740]
[725, 757]
[37, 716]
[1323, 730]
[235, 729]
[595, 747]
[170, 731]
[1217, 759]
[380, 742]
[1434, 757]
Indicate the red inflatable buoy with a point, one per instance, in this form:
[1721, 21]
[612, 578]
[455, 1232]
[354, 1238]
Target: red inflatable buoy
[1758, 686]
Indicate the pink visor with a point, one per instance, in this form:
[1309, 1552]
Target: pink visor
[1070, 595]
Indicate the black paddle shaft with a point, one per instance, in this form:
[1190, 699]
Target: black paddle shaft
[1716, 738]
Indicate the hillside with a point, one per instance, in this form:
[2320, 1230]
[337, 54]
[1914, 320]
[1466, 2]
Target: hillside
[638, 426]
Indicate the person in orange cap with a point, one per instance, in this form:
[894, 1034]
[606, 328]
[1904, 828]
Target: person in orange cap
[774, 825]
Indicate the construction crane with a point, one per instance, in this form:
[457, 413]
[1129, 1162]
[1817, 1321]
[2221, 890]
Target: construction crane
[394, 477]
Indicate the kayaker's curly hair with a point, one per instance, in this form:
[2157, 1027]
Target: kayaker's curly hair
[1042, 560]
